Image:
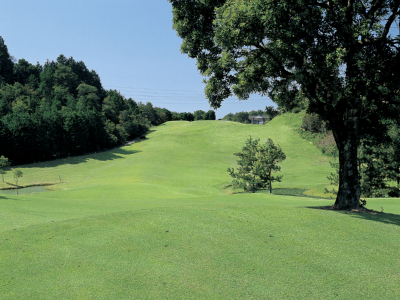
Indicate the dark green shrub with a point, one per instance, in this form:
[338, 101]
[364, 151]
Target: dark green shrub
[313, 123]
[394, 192]
[296, 110]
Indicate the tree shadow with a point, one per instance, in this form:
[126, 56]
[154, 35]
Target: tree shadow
[366, 214]
[13, 198]
[146, 135]
[101, 155]
[289, 192]
[149, 132]
[294, 192]
[12, 185]
[382, 217]
[107, 155]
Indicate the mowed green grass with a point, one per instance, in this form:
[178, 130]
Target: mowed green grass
[156, 220]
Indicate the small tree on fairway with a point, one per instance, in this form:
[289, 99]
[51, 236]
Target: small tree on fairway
[17, 174]
[3, 164]
[256, 163]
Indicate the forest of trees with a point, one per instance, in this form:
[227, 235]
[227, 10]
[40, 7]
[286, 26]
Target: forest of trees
[61, 109]
[243, 116]
[196, 116]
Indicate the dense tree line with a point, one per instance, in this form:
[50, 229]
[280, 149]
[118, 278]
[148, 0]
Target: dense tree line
[196, 116]
[243, 116]
[61, 109]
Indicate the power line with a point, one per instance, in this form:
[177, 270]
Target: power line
[180, 96]
[122, 87]
[154, 93]
[187, 100]
[166, 97]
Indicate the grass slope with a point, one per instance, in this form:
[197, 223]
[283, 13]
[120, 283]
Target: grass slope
[154, 220]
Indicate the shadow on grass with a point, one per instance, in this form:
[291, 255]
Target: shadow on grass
[101, 155]
[13, 198]
[295, 192]
[146, 135]
[382, 217]
[108, 155]
[12, 184]
[289, 192]
[366, 214]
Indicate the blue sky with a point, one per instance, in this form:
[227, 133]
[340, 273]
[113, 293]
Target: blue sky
[130, 44]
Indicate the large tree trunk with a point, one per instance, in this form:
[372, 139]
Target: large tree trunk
[347, 141]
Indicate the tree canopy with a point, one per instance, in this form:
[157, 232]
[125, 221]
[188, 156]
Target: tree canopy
[336, 57]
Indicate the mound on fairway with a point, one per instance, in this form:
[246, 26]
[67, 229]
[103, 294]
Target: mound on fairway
[155, 220]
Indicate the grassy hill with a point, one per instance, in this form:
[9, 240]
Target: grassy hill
[157, 220]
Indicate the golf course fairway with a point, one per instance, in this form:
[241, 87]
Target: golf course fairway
[159, 219]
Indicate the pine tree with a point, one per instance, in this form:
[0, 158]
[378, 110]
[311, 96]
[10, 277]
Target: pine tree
[256, 163]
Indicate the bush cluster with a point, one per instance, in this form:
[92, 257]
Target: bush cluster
[314, 124]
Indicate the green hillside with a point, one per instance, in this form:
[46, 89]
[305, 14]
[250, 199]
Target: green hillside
[157, 219]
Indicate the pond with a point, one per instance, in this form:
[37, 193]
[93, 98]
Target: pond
[27, 190]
